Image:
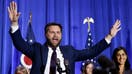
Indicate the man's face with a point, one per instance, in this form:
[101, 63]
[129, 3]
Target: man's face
[54, 35]
[121, 57]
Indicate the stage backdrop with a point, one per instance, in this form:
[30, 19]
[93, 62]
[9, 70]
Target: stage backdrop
[69, 13]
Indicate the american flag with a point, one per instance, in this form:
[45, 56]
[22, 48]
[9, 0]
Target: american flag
[89, 44]
[30, 38]
[89, 40]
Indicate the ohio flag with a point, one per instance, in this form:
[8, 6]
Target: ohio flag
[30, 38]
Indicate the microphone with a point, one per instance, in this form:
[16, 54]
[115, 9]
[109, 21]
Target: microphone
[66, 62]
[59, 69]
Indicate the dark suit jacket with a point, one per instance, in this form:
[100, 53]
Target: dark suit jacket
[72, 55]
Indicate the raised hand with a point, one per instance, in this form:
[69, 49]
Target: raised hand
[13, 14]
[116, 27]
[114, 30]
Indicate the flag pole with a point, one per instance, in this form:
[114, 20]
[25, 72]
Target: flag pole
[30, 18]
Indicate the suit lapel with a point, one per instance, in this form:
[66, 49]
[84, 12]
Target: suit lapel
[44, 54]
[62, 49]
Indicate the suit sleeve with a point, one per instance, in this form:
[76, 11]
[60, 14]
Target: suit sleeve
[21, 44]
[84, 54]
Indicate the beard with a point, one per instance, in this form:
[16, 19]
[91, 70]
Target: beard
[49, 43]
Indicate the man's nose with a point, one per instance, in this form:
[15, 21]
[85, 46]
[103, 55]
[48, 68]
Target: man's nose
[55, 34]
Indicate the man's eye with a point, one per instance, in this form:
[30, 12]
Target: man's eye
[51, 32]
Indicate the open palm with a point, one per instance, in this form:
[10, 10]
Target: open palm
[13, 14]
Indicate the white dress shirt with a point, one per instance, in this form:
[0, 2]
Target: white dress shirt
[59, 56]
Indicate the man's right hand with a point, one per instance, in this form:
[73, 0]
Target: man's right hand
[13, 14]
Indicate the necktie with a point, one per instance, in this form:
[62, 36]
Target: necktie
[53, 62]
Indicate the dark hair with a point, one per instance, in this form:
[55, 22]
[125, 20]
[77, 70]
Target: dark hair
[85, 65]
[127, 64]
[21, 69]
[52, 24]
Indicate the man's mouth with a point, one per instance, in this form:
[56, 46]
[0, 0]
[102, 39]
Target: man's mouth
[55, 39]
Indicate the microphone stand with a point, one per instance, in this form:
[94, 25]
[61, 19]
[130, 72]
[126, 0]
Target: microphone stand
[67, 67]
[62, 71]
[59, 69]
[67, 70]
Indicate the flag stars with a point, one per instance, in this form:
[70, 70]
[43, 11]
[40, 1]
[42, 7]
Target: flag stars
[92, 60]
[31, 41]
[83, 63]
[88, 44]
[89, 39]
[89, 34]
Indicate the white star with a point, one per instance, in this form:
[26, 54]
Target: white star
[90, 34]
[88, 44]
[31, 41]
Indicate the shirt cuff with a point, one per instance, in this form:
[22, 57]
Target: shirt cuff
[108, 41]
[14, 28]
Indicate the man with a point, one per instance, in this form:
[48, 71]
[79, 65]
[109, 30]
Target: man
[41, 54]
